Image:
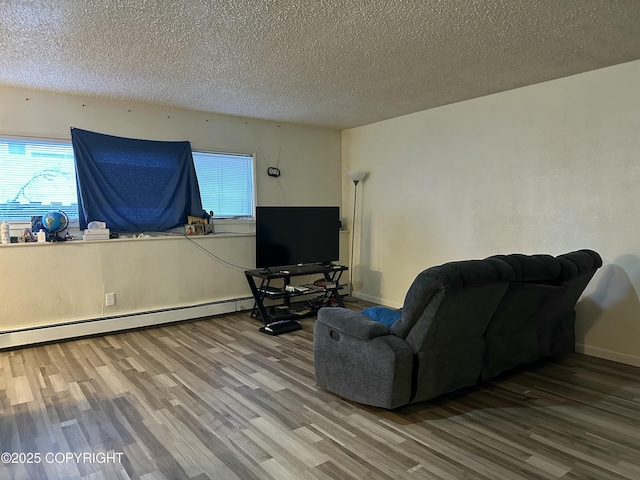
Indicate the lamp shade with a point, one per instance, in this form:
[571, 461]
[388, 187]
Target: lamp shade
[357, 176]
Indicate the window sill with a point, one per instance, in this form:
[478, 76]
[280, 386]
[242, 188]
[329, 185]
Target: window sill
[147, 237]
[221, 226]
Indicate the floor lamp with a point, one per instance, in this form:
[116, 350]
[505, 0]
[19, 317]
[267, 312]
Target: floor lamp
[356, 177]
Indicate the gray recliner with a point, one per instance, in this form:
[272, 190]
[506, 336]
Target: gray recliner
[461, 323]
[556, 328]
[536, 317]
[435, 347]
[511, 338]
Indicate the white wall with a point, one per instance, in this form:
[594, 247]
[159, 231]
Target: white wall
[54, 283]
[548, 168]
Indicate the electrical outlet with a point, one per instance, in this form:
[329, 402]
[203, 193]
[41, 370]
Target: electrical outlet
[110, 299]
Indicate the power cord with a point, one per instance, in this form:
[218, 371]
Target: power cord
[211, 254]
[208, 252]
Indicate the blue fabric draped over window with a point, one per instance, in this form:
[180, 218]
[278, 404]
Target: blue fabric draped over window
[134, 185]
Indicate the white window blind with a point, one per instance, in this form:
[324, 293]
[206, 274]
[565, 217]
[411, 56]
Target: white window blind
[35, 177]
[226, 183]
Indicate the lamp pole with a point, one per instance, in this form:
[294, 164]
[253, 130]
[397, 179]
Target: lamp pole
[356, 177]
[353, 236]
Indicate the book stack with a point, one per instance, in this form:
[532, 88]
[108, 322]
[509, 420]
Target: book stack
[96, 234]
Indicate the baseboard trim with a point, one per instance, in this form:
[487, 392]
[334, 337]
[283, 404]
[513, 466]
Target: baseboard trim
[632, 360]
[377, 300]
[95, 326]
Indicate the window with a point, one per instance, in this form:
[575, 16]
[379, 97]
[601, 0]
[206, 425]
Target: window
[37, 176]
[226, 183]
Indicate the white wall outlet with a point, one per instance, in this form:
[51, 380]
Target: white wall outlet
[110, 299]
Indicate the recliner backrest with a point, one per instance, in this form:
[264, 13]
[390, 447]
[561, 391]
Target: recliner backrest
[532, 268]
[511, 337]
[445, 313]
[556, 333]
[536, 317]
[431, 285]
[577, 270]
[577, 264]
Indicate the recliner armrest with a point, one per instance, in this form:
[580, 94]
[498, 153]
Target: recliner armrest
[354, 324]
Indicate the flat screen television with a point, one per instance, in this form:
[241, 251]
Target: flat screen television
[296, 235]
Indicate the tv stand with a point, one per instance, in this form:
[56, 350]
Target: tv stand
[281, 314]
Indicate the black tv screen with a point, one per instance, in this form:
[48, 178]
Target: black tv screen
[296, 235]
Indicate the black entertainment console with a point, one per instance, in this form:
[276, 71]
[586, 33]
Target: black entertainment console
[274, 294]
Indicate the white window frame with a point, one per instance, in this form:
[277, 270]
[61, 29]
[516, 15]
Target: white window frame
[251, 216]
[20, 224]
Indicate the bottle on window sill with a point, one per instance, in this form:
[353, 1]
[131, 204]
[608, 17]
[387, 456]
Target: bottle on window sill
[5, 233]
[42, 237]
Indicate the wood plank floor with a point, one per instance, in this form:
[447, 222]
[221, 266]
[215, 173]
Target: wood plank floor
[215, 399]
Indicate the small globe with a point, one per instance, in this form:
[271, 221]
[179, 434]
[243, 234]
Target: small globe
[55, 221]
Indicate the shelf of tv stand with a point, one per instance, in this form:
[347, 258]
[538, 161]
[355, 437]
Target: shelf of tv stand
[273, 288]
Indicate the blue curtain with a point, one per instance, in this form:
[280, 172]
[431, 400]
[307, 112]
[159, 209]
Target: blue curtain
[134, 185]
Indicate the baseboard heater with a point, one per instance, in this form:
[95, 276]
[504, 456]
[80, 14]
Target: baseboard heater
[102, 325]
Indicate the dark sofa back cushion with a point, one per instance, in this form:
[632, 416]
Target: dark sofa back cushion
[580, 262]
[532, 268]
[445, 332]
[444, 280]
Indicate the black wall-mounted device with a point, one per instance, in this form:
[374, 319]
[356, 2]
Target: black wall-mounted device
[273, 171]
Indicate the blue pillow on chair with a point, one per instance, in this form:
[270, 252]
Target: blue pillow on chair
[385, 315]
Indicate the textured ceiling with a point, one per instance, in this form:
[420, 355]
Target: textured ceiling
[336, 63]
